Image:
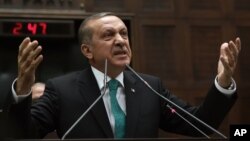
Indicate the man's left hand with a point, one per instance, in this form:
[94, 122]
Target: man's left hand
[229, 53]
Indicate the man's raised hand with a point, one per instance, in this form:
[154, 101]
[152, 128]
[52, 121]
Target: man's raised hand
[29, 58]
[229, 53]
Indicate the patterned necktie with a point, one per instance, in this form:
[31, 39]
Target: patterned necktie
[119, 115]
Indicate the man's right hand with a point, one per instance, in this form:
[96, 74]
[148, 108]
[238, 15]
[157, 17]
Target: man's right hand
[29, 58]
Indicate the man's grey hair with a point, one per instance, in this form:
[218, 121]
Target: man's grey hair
[85, 33]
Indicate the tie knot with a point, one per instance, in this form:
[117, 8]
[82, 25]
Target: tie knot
[113, 84]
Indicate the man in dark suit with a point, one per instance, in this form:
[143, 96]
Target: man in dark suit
[105, 36]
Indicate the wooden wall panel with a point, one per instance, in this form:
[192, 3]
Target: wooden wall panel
[239, 9]
[43, 4]
[158, 51]
[202, 8]
[244, 111]
[244, 63]
[156, 8]
[242, 5]
[157, 5]
[205, 43]
[107, 5]
[204, 5]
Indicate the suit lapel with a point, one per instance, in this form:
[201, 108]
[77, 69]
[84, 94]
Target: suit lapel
[90, 91]
[132, 104]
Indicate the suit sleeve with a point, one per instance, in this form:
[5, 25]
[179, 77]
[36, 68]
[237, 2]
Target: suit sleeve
[215, 104]
[38, 119]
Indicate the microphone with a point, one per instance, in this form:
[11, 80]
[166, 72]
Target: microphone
[178, 107]
[92, 105]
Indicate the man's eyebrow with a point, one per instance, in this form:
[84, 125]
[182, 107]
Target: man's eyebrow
[124, 28]
[107, 29]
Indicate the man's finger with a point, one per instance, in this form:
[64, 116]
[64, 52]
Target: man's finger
[229, 57]
[31, 46]
[233, 50]
[35, 63]
[238, 44]
[24, 43]
[30, 67]
[38, 60]
[27, 52]
[225, 64]
[33, 55]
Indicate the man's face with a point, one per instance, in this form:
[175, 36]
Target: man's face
[109, 40]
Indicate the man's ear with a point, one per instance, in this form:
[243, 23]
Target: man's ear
[86, 51]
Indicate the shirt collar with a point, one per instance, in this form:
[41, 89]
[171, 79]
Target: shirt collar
[99, 76]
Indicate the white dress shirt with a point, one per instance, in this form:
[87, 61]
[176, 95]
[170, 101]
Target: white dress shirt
[120, 95]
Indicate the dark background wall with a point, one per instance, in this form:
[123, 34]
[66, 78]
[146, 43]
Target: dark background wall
[177, 40]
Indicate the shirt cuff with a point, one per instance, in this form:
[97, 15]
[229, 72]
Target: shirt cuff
[231, 90]
[18, 98]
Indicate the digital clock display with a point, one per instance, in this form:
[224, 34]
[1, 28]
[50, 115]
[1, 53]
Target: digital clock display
[38, 28]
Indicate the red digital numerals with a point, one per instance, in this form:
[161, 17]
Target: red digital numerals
[29, 28]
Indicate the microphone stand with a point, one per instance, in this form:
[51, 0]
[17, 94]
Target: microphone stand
[175, 112]
[178, 107]
[92, 105]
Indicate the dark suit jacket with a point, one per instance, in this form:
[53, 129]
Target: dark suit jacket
[5, 100]
[67, 97]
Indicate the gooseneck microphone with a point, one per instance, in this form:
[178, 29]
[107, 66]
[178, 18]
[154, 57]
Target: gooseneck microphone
[178, 107]
[178, 114]
[92, 105]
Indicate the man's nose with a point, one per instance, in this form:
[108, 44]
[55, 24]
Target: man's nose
[119, 40]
